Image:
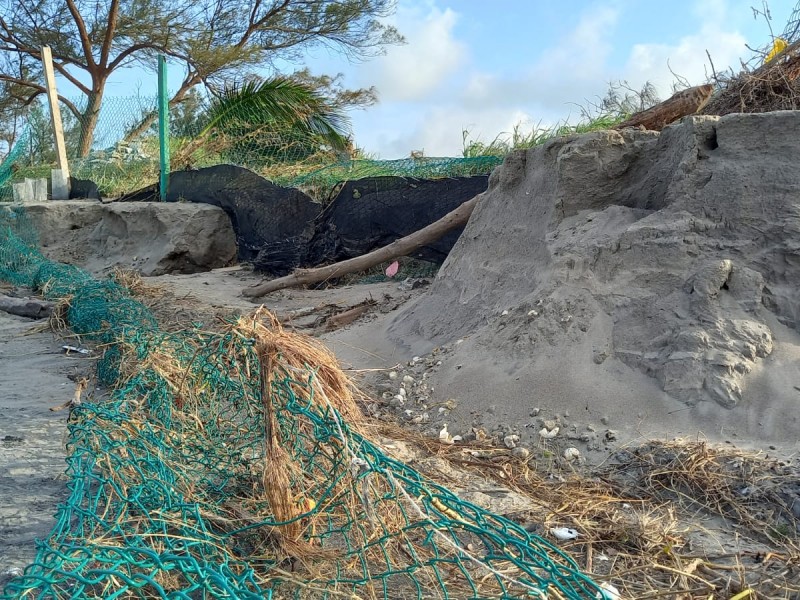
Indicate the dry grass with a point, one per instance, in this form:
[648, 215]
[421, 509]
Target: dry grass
[769, 87]
[136, 285]
[637, 519]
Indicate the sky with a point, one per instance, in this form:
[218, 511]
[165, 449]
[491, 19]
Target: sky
[484, 66]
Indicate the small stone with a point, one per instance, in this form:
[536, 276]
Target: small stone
[535, 412]
[504, 313]
[550, 424]
[533, 313]
[511, 441]
[604, 420]
[520, 453]
[408, 379]
[417, 420]
[397, 401]
[402, 392]
[548, 434]
[392, 374]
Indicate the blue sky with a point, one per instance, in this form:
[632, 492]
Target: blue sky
[486, 65]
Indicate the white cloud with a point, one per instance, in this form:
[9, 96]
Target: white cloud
[415, 70]
[687, 58]
[563, 73]
[423, 109]
[437, 131]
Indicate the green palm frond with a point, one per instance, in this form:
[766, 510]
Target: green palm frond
[286, 103]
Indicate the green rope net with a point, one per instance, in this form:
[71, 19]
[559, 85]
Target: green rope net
[233, 464]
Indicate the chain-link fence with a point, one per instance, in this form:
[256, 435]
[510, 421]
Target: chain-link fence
[120, 151]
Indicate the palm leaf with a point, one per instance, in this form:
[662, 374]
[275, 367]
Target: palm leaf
[286, 103]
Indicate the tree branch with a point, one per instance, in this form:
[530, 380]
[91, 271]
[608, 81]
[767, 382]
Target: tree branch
[71, 78]
[86, 43]
[40, 89]
[401, 247]
[111, 28]
[131, 50]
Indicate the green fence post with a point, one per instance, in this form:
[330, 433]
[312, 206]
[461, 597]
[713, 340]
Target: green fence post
[163, 126]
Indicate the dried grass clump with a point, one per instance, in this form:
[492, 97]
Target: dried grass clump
[638, 519]
[133, 281]
[745, 486]
[774, 85]
[301, 354]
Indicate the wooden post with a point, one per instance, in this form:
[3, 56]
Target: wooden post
[163, 127]
[60, 176]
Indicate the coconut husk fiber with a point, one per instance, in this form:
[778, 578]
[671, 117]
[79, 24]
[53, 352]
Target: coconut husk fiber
[775, 85]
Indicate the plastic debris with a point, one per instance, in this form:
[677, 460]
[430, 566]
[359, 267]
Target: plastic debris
[564, 534]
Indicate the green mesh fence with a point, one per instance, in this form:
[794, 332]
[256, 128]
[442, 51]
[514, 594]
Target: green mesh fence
[121, 155]
[173, 477]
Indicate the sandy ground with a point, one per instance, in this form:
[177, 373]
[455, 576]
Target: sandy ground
[607, 397]
[34, 377]
[35, 372]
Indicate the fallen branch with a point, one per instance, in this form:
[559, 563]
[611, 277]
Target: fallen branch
[348, 316]
[396, 249]
[26, 307]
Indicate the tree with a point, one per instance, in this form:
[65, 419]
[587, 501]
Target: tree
[266, 118]
[216, 41]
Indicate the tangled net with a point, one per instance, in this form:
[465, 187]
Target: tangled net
[235, 464]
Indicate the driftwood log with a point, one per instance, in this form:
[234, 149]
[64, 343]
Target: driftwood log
[26, 307]
[686, 102]
[396, 249]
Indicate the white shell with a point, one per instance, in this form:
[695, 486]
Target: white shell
[444, 436]
[609, 592]
[572, 453]
[548, 435]
[564, 533]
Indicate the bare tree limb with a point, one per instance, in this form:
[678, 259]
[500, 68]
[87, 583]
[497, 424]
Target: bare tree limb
[401, 247]
[86, 42]
[111, 29]
[40, 89]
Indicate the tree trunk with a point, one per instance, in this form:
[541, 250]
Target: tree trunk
[89, 123]
[401, 247]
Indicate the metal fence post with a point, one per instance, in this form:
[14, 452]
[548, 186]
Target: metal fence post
[163, 127]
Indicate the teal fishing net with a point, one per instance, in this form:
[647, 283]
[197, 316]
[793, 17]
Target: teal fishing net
[235, 463]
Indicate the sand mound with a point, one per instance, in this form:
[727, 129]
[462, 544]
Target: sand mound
[643, 278]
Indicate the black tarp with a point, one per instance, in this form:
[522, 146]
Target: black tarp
[279, 229]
